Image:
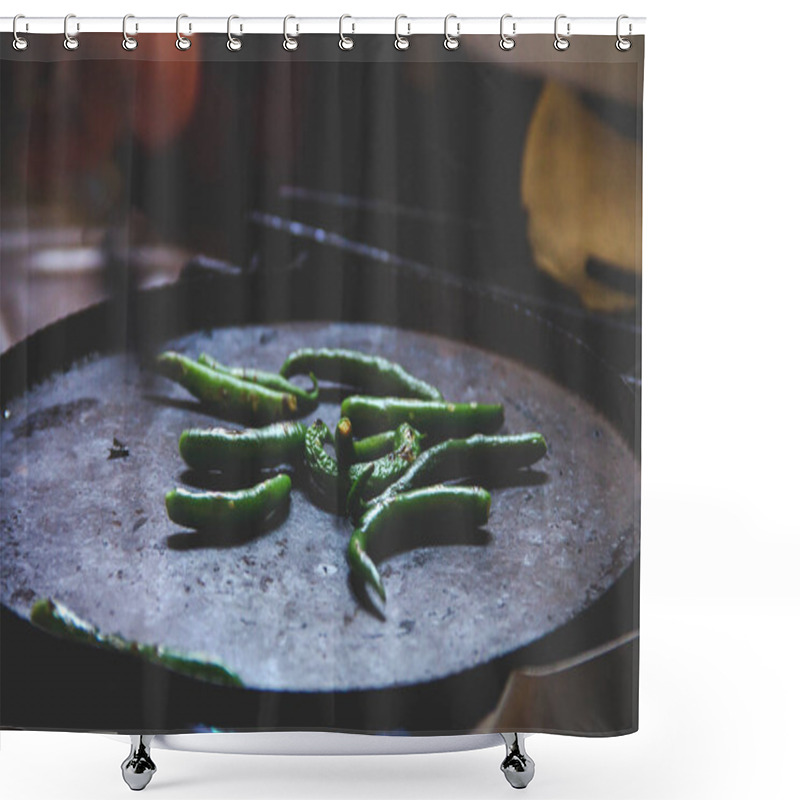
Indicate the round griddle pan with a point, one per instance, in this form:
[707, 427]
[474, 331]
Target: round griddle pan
[384, 672]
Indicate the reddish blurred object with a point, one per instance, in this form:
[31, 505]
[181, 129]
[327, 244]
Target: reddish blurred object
[151, 100]
[164, 92]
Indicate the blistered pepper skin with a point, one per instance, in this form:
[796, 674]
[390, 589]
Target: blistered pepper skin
[479, 456]
[339, 487]
[370, 374]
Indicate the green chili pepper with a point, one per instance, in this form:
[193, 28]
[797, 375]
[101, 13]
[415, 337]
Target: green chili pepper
[371, 447]
[384, 471]
[477, 457]
[226, 395]
[227, 449]
[439, 419]
[307, 401]
[59, 620]
[371, 374]
[354, 502]
[443, 507]
[334, 485]
[245, 507]
[325, 482]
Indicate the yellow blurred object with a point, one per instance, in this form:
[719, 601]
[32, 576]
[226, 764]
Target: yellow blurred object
[581, 189]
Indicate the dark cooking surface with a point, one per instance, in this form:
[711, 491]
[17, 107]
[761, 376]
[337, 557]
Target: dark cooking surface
[278, 609]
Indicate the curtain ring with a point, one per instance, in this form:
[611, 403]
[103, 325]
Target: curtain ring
[623, 44]
[19, 43]
[289, 42]
[128, 42]
[507, 42]
[451, 42]
[182, 43]
[234, 42]
[345, 42]
[401, 42]
[70, 42]
[560, 42]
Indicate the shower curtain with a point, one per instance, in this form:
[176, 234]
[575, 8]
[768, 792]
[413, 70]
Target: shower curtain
[320, 385]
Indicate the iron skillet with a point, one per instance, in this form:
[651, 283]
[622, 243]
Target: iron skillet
[69, 682]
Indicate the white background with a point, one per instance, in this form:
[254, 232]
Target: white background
[720, 548]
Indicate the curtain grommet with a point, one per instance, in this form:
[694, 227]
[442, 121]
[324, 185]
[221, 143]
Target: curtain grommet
[70, 41]
[19, 43]
[234, 43]
[622, 44]
[182, 42]
[560, 43]
[289, 42]
[451, 42]
[128, 42]
[345, 42]
[401, 42]
[507, 40]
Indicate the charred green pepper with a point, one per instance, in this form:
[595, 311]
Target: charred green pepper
[57, 619]
[241, 508]
[333, 483]
[438, 419]
[442, 507]
[229, 449]
[225, 395]
[369, 448]
[307, 401]
[479, 456]
[370, 374]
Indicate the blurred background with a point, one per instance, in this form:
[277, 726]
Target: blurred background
[120, 173]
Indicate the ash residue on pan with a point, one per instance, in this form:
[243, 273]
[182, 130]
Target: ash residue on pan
[94, 534]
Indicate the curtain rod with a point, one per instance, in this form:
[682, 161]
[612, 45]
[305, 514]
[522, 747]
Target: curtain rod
[299, 25]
